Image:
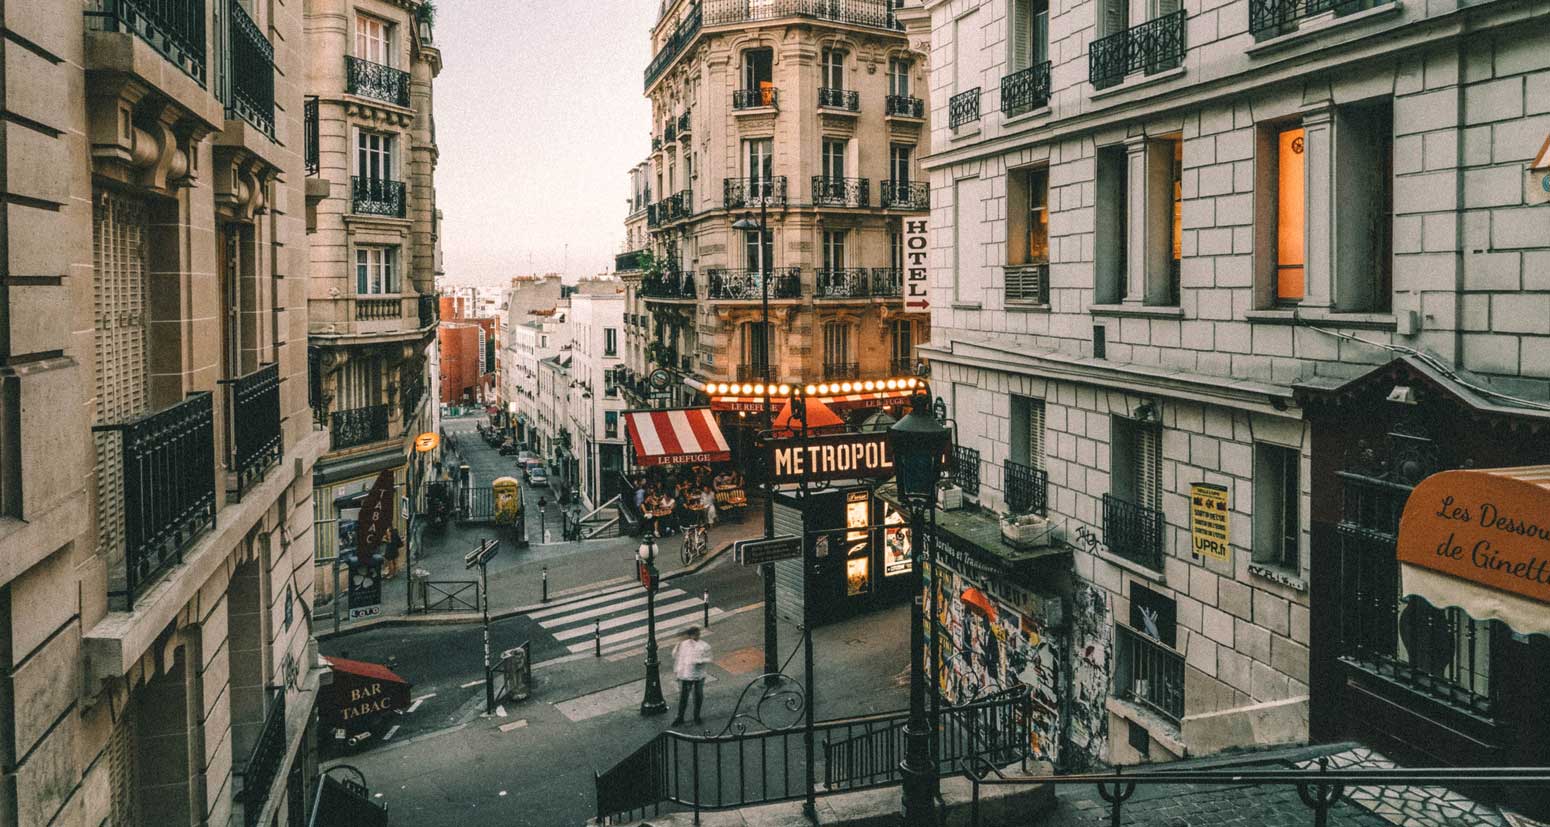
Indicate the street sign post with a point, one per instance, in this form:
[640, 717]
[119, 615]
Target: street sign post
[759, 552]
[481, 557]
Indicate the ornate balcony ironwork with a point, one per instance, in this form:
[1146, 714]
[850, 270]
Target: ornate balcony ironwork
[669, 133]
[748, 285]
[656, 143]
[1134, 532]
[846, 99]
[669, 285]
[264, 760]
[174, 28]
[359, 426]
[1027, 284]
[1154, 46]
[751, 192]
[755, 98]
[164, 487]
[680, 38]
[758, 372]
[1149, 674]
[887, 283]
[843, 283]
[375, 310]
[1026, 487]
[841, 192]
[254, 444]
[653, 216]
[1268, 18]
[873, 13]
[680, 205]
[430, 311]
[376, 81]
[841, 370]
[684, 122]
[627, 262]
[906, 195]
[965, 470]
[963, 108]
[1026, 90]
[904, 106]
[310, 134]
[251, 96]
[376, 196]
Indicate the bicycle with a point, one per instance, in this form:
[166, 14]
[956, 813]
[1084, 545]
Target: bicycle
[696, 541]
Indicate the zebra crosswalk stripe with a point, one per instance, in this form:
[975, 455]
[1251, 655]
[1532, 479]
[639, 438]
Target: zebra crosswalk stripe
[618, 616]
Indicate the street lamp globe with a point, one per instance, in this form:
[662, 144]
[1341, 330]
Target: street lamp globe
[647, 551]
[918, 442]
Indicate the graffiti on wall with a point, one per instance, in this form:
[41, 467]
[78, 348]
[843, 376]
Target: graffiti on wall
[1092, 652]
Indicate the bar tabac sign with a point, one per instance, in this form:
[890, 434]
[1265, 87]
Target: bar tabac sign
[836, 457]
[1487, 527]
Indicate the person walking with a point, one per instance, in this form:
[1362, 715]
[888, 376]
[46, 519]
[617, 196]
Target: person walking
[689, 659]
[392, 546]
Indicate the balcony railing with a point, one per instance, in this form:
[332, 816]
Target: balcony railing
[841, 192]
[845, 283]
[1268, 18]
[653, 216]
[846, 99]
[430, 311]
[684, 122]
[254, 402]
[163, 490]
[174, 28]
[1026, 90]
[680, 38]
[748, 285]
[376, 310]
[251, 96]
[963, 108]
[680, 205]
[1027, 488]
[841, 370]
[656, 143]
[906, 195]
[751, 192]
[1027, 284]
[409, 400]
[904, 106]
[756, 98]
[310, 135]
[887, 283]
[265, 759]
[1148, 673]
[359, 426]
[626, 262]
[376, 196]
[874, 13]
[375, 81]
[670, 132]
[901, 366]
[965, 470]
[1133, 532]
[1154, 46]
[757, 372]
[671, 285]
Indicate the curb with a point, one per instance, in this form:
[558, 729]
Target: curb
[452, 618]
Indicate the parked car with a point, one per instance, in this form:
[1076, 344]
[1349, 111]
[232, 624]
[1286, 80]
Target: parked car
[536, 475]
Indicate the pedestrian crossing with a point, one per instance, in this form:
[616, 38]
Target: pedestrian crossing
[617, 616]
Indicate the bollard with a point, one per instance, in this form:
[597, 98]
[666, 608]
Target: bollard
[705, 601]
[597, 637]
[545, 598]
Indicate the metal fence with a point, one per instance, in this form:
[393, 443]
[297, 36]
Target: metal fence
[449, 595]
[1148, 673]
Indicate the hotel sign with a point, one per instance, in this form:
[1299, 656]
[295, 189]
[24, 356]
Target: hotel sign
[836, 457]
[1490, 528]
[917, 273]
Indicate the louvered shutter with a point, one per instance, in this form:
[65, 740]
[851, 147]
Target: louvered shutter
[1161, 8]
[1022, 35]
[120, 345]
[1149, 467]
[1036, 433]
[123, 781]
[1116, 17]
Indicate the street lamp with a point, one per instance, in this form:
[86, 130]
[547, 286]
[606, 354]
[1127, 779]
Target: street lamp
[747, 224]
[918, 443]
[646, 556]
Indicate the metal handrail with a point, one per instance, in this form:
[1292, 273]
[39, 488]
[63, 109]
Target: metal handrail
[1151, 47]
[254, 402]
[376, 196]
[251, 96]
[174, 28]
[1025, 90]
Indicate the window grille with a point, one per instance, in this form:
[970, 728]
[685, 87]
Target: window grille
[121, 344]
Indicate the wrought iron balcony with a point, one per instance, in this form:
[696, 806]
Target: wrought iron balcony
[1134, 532]
[758, 373]
[841, 192]
[264, 760]
[756, 98]
[1268, 18]
[669, 285]
[1154, 46]
[887, 283]
[684, 122]
[843, 283]
[656, 143]
[1148, 673]
[906, 195]
[963, 108]
[841, 370]
[873, 13]
[376, 196]
[680, 205]
[846, 99]
[904, 106]
[375, 310]
[310, 135]
[251, 96]
[375, 81]
[254, 404]
[748, 285]
[430, 310]
[1027, 284]
[653, 216]
[965, 470]
[359, 426]
[1026, 90]
[174, 28]
[680, 38]
[751, 192]
[1026, 487]
[670, 132]
[627, 262]
[157, 490]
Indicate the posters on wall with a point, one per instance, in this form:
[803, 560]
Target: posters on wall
[1208, 521]
[896, 543]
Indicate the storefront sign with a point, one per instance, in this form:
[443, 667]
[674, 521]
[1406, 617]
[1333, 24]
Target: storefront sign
[841, 456]
[1208, 521]
[377, 513]
[917, 273]
[759, 552]
[1486, 527]
[427, 442]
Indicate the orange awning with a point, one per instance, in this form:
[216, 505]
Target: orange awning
[820, 419]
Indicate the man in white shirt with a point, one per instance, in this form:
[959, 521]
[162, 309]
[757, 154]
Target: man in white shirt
[689, 659]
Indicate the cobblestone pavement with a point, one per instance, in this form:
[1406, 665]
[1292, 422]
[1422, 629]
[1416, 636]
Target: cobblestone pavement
[1192, 806]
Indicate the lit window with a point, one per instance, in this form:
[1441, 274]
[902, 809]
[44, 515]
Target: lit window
[1290, 215]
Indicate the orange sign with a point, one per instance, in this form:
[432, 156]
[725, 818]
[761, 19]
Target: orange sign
[1487, 527]
[427, 442]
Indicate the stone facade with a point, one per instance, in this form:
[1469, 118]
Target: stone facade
[154, 282]
[1165, 327]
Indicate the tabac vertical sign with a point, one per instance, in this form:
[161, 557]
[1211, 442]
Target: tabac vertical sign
[917, 274]
[1208, 520]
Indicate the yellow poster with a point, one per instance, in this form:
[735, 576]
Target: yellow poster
[1208, 520]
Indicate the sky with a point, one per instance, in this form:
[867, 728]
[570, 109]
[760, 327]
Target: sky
[539, 118]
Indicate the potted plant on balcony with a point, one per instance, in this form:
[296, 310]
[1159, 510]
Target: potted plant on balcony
[1025, 531]
[949, 497]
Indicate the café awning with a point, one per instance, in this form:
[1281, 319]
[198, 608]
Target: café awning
[682, 436]
[1479, 540]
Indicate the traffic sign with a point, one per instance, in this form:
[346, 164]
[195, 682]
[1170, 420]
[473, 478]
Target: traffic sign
[759, 552]
[481, 555]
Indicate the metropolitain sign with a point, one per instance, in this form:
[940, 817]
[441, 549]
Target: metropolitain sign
[836, 457]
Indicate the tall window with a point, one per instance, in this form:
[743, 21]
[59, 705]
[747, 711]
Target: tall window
[1163, 218]
[1112, 225]
[1277, 495]
[376, 270]
[1028, 213]
[1135, 462]
[1026, 435]
[374, 155]
[610, 341]
[758, 159]
[758, 257]
[899, 77]
[896, 249]
[832, 69]
[1030, 34]
[1290, 215]
[833, 249]
[757, 345]
[899, 163]
[903, 331]
[833, 158]
[758, 69]
[610, 424]
[836, 344]
[1364, 206]
[373, 39]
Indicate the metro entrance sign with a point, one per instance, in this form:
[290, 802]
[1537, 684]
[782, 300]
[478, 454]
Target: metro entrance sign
[759, 552]
[832, 457]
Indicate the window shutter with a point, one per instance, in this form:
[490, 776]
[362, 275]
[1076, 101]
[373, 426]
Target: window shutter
[1116, 17]
[1022, 35]
[1036, 433]
[124, 808]
[121, 346]
[1149, 467]
[1161, 8]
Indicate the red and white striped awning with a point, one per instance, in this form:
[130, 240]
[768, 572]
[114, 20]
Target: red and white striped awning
[676, 437]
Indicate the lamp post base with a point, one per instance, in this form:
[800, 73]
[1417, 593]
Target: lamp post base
[653, 703]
